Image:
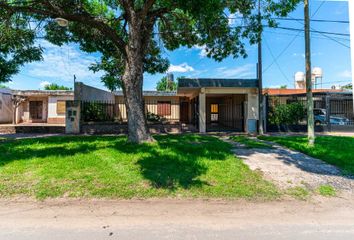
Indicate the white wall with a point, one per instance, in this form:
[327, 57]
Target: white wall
[52, 105]
[6, 110]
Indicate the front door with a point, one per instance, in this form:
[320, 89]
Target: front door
[184, 112]
[36, 110]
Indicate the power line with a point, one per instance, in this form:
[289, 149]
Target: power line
[314, 31]
[325, 35]
[276, 62]
[282, 52]
[319, 7]
[316, 37]
[313, 20]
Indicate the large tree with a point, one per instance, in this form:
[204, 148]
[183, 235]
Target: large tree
[130, 34]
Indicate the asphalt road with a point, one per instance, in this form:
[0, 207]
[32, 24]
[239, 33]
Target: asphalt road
[176, 219]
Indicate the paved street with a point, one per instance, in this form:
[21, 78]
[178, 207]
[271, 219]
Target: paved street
[172, 219]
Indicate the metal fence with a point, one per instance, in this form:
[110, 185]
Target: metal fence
[332, 112]
[106, 111]
[99, 111]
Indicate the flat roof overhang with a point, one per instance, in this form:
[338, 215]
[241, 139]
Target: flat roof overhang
[43, 93]
[217, 82]
[191, 86]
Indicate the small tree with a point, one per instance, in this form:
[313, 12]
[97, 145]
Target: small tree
[348, 87]
[16, 102]
[165, 84]
[287, 114]
[54, 86]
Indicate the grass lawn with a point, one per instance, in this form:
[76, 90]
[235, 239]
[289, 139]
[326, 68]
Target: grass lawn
[102, 166]
[338, 151]
[249, 143]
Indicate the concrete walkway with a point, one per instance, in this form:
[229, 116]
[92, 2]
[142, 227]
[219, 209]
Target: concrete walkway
[287, 168]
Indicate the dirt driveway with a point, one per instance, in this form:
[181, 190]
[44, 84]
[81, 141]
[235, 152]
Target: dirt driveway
[288, 168]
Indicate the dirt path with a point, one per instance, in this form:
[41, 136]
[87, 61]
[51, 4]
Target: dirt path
[322, 218]
[287, 168]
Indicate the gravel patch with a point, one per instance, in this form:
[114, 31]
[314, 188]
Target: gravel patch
[288, 168]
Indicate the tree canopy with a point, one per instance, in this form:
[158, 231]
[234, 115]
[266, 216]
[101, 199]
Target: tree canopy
[165, 84]
[54, 86]
[103, 26]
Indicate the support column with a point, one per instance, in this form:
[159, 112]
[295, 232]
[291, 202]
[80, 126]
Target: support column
[202, 112]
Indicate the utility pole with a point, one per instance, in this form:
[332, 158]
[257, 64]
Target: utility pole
[351, 24]
[309, 105]
[260, 76]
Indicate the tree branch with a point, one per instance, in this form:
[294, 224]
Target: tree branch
[84, 18]
[146, 8]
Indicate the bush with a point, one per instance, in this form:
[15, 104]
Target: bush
[154, 118]
[287, 114]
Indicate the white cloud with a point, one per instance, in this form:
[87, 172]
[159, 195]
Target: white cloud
[244, 71]
[61, 63]
[313, 54]
[203, 51]
[184, 67]
[234, 18]
[44, 83]
[299, 55]
[345, 74]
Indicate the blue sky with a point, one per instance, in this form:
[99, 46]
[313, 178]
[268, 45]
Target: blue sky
[287, 47]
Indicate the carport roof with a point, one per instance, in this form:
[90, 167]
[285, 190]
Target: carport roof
[217, 82]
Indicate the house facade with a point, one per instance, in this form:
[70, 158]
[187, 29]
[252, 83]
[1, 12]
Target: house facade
[204, 104]
[6, 110]
[41, 106]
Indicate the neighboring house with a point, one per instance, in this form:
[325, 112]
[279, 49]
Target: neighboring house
[6, 110]
[42, 106]
[338, 102]
[207, 104]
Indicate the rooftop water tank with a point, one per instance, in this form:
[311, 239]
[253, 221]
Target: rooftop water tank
[318, 72]
[299, 77]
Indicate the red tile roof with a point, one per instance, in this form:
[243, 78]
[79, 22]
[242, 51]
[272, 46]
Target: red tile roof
[284, 91]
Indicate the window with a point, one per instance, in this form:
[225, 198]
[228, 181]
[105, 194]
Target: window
[61, 107]
[214, 110]
[164, 108]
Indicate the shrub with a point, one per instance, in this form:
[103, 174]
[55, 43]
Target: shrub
[286, 114]
[154, 118]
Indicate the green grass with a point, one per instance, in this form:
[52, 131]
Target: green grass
[300, 193]
[338, 151]
[327, 191]
[107, 166]
[249, 143]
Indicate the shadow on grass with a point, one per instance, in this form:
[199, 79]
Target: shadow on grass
[176, 161]
[172, 161]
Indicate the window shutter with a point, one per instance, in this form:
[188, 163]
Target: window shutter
[61, 107]
[164, 108]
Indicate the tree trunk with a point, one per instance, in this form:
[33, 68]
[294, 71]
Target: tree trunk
[133, 87]
[133, 96]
